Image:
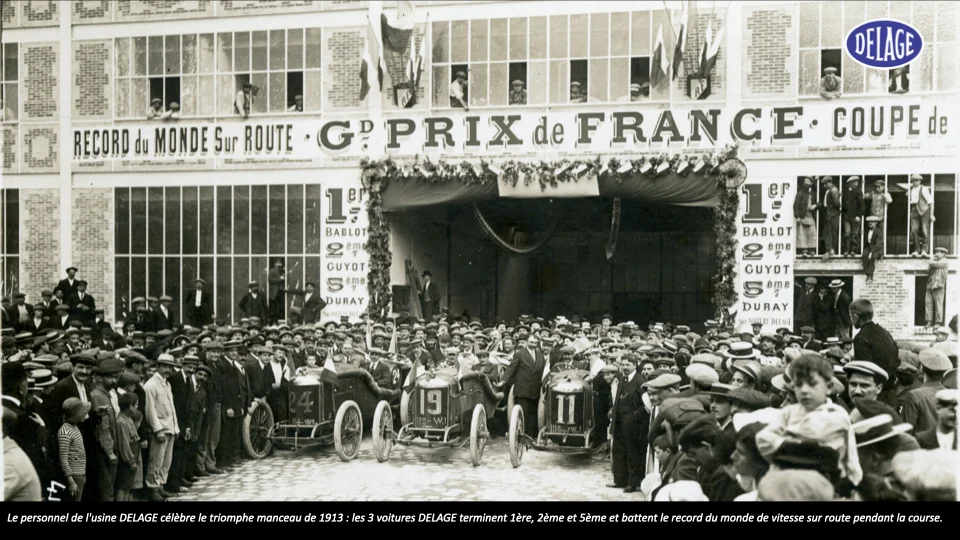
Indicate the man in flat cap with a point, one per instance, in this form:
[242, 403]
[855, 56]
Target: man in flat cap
[831, 227]
[518, 94]
[919, 406]
[921, 215]
[181, 389]
[68, 285]
[831, 85]
[254, 303]
[198, 306]
[105, 418]
[196, 417]
[159, 414]
[577, 95]
[297, 104]
[311, 302]
[853, 210]
[944, 435]
[20, 312]
[865, 380]
[39, 323]
[629, 424]
[803, 313]
[77, 385]
[458, 91]
[82, 305]
[874, 246]
[155, 111]
[935, 296]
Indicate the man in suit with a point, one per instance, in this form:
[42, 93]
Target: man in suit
[921, 203]
[196, 417]
[68, 286]
[874, 344]
[160, 415]
[431, 297]
[629, 440]
[25, 428]
[256, 368]
[105, 418]
[839, 302]
[873, 251]
[254, 303]
[803, 311]
[830, 229]
[853, 210]
[39, 323]
[181, 388]
[82, 305]
[809, 342]
[380, 371]
[77, 385]
[163, 315]
[525, 373]
[198, 306]
[311, 304]
[61, 319]
[276, 378]
[276, 283]
[20, 312]
[212, 425]
[236, 396]
[944, 434]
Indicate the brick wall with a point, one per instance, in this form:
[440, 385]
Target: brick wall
[396, 72]
[770, 50]
[93, 237]
[91, 79]
[11, 154]
[691, 54]
[39, 12]
[248, 7]
[892, 292]
[92, 11]
[342, 51]
[39, 240]
[39, 91]
[41, 148]
[146, 10]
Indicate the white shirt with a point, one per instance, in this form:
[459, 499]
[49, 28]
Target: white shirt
[917, 192]
[306, 297]
[197, 301]
[277, 371]
[456, 90]
[946, 440]
[82, 391]
[115, 401]
[163, 310]
[63, 320]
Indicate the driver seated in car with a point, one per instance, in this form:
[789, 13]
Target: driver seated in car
[491, 370]
[379, 369]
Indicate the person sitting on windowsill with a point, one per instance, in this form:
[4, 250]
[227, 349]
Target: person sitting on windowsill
[156, 109]
[297, 104]
[173, 113]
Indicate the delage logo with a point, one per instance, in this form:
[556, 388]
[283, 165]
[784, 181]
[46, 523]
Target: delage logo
[884, 44]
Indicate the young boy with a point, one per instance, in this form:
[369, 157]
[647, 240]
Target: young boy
[128, 447]
[664, 450]
[73, 455]
[813, 418]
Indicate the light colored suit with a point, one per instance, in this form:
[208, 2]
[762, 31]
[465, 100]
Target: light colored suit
[161, 417]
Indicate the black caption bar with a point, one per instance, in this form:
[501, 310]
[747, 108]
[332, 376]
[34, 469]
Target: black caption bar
[220, 515]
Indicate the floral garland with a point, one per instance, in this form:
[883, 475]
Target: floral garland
[378, 174]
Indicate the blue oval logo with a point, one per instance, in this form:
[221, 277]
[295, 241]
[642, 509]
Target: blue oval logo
[884, 44]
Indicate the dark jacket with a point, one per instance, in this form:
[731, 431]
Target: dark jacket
[853, 206]
[254, 307]
[927, 439]
[182, 391]
[194, 316]
[309, 309]
[67, 288]
[85, 316]
[525, 373]
[162, 322]
[874, 344]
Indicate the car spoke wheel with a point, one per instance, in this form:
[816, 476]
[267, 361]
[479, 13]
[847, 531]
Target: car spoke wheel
[382, 431]
[347, 430]
[257, 429]
[478, 434]
[516, 436]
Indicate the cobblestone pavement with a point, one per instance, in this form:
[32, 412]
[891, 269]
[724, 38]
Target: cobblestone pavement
[413, 473]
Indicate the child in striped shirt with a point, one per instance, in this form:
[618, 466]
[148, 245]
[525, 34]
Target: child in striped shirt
[73, 455]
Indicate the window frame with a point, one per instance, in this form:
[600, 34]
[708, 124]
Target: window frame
[4, 82]
[9, 259]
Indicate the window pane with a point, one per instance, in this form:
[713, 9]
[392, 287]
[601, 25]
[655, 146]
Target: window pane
[122, 213]
[189, 224]
[206, 272]
[518, 39]
[241, 47]
[311, 272]
[206, 220]
[640, 35]
[459, 42]
[224, 288]
[138, 277]
[923, 15]
[277, 219]
[172, 223]
[944, 210]
[441, 41]
[171, 46]
[559, 87]
[598, 83]
[295, 48]
[139, 97]
[278, 49]
[155, 55]
[189, 53]
[499, 85]
[138, 220]
[810, 24]
[121, 286]
[241, 219]
[498, 39]
[478, 85]
[946, 67]
[171, 285]
[241, 276]
[206, 53]
[312, 47]
[225, 52]
[877, 81]
[123, 59]
[578, 36]
[599, 34]
[920, 73]
[312, 231]
[312, 90]
[619, 79]
[897, 215]
[188, 96]
[155, 277]
[258, 273]
[536, 83]
[810, 72]
[258, 219]
[831, 15]
[853, 74]
[259, 53]
[140, 56]
[441, 86]
[479, 39]
[155, 221]
[295, 219]
[206, 95]
[558, 36]
[946, 23]
[188, 269]
[538, 37]
[294, 268]
[620, 34]
[225, 91]
[259, 102]
[224, 217]
[278, 92]
[11, 108]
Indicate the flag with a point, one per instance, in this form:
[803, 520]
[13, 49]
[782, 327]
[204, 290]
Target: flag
[704, 49]
[546, 372]
[393, 341]
[500, 359]
[421, 59]
[368, 337]
[329, 373]
[660, 65]
[373, 52]
[681, 42]
[396, 34]
[416, 370]
[710, 54]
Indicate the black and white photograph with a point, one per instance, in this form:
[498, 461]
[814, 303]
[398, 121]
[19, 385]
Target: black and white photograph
[427, 252]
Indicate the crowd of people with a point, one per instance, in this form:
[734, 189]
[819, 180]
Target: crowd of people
[145, 410]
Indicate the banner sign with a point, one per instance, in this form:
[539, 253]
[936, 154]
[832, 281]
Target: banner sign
[882, 126]
[345, 261]
[765, 258]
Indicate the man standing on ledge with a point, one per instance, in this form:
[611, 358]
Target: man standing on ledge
[431, 297]
[277, 285]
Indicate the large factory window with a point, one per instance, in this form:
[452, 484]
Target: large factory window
[10, 246]
[166, 237]
[9, 94]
